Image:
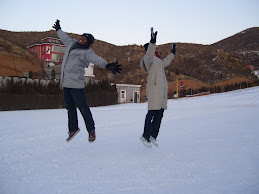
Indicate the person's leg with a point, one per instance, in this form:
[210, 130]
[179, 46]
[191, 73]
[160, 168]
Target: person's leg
[71, 108]
[80, 100]
[157, 122]
[148, 124]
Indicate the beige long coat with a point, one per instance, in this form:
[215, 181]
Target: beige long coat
[157, 87]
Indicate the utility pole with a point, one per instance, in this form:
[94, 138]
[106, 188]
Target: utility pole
[177, 87]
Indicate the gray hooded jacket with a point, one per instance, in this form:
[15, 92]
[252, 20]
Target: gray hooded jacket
[74, 62]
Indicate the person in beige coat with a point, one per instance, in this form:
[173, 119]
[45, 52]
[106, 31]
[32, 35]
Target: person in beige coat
[157, 89]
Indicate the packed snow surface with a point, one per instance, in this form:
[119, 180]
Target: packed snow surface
[207, 144]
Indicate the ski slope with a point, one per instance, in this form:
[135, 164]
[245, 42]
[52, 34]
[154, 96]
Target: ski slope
[207, 144]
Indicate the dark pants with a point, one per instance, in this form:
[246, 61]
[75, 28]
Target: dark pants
[76, 97]
[152, 123]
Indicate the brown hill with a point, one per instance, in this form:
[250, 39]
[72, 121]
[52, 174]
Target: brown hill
[245, 40]
[15, 61]
[243, 45]
[207, 64]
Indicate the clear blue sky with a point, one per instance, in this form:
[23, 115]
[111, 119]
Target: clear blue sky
[124, 22]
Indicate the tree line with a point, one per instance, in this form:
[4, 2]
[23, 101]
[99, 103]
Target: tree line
[18, 95]
[216, 89]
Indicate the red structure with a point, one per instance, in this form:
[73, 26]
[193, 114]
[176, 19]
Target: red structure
[252, 67]
[50, 51]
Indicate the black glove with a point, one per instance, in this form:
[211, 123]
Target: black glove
[57, 25]
[174, 48]
[153, 36]
[113, 67]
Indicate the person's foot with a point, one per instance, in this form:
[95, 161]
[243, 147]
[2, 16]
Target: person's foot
[91, 136]
[72, 135]
[145, 142]
[153, 140]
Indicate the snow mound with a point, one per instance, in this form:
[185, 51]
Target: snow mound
[207, 144]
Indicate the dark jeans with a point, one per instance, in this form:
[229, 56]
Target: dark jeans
[76, 97]
[152, 123]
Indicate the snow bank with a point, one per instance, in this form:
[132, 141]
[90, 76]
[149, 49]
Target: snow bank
[208, 144]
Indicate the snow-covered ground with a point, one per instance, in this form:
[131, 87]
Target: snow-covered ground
[207, 144]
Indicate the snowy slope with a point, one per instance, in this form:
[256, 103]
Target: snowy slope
[207, 144]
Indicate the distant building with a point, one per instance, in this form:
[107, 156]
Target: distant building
[252, 67]
[50, 51]
[89, 73]
[128, 93]
[256, 72]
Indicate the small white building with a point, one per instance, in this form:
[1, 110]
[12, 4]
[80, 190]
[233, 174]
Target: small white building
[256, 72]
[89, 73]
[128, 93]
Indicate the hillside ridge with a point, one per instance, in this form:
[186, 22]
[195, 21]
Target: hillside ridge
[218, 62]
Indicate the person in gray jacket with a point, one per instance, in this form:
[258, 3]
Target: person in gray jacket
[157, 89]
[77, 56]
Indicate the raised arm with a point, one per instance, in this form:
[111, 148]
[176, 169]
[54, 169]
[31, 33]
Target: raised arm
[170, 57]
[97, 60]
[149, 56]
[61, 34]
